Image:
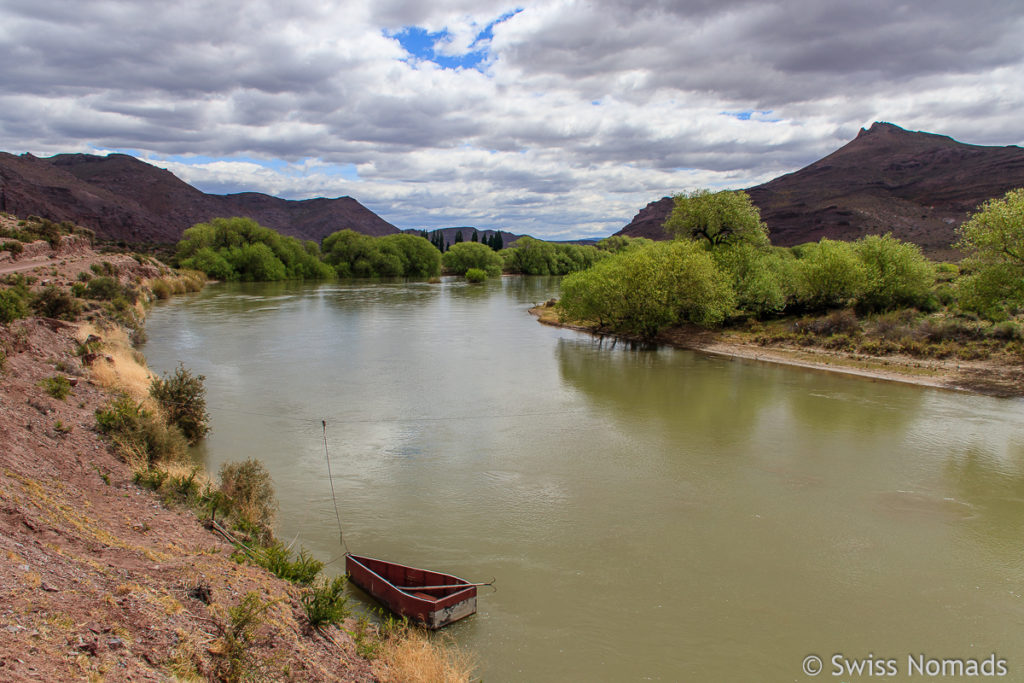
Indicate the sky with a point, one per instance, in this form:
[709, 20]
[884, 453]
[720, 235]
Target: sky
[555, 118]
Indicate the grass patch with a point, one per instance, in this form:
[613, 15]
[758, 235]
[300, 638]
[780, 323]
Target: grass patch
[409, 655]
[301, 569]
[57, 386]
[326, 604]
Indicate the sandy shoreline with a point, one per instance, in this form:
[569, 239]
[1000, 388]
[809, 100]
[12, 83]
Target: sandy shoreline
[987, 377]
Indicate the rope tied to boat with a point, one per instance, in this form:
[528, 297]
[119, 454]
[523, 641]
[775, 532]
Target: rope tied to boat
[334, 498]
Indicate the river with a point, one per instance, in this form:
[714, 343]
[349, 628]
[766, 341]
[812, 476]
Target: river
[646, 513]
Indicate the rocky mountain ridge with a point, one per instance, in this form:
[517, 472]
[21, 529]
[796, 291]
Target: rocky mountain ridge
[918, 186]
[123, 198]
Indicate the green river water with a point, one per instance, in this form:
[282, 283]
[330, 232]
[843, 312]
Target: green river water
[648, 514]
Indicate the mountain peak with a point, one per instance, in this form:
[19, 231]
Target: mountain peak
[919, 186]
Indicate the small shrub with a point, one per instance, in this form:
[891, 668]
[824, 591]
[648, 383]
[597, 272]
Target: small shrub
[14, 247]
[1004, 331]
[151, 478]
[182, 397]
[56, 303]
[249, 493]
[142, 437]
[277, 558]
[57, 386]
[838, 322]
[161, 290]
[84, 276]
[13, 304]
[65, 366]
[234, 650]
[103, 288]
[326, 603]
[476, 275]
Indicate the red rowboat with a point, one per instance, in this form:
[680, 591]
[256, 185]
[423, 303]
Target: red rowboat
[431, 598]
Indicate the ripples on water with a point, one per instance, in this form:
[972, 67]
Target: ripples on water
[649, 514]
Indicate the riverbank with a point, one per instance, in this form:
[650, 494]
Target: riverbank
[102, 579]
[993, 376]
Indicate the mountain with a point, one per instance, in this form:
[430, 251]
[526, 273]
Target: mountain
[918, 186]
[123, 198]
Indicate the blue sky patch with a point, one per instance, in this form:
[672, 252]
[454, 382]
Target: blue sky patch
[756, 114]
[420, 44]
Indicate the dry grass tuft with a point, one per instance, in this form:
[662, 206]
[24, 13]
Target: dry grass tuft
[120, 367]
[409, 655]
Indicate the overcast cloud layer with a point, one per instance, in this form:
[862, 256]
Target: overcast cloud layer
[556, 118]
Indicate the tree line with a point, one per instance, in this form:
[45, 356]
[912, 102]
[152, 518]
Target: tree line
[242, 249]
[721, 266]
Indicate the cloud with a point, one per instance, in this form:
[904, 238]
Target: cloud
[559, 118]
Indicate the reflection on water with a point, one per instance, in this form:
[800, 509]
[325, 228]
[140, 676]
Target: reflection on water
[649, 514]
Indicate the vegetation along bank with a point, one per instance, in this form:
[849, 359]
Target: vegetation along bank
[119, 558]
[875, 306]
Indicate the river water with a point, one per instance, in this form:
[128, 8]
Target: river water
[648, 514]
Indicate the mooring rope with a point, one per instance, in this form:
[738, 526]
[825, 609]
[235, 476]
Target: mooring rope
[330, 478]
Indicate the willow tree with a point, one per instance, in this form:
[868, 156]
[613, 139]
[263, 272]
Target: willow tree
[993, 238]
[719, 218]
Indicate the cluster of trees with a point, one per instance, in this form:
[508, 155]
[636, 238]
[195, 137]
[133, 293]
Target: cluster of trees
[354, 254]
[723, 266]
[466, 256]
[242, 249]
[494, 240]
[530, 256]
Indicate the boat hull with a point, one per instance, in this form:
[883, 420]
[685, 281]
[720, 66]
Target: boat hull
[430, 598]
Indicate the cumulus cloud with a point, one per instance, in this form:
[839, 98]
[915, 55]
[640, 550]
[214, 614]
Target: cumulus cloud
[559, 118]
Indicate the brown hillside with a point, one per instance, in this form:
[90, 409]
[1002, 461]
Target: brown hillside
[123, 198]
[919, 186]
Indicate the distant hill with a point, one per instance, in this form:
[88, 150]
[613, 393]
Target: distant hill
[919, 186]
[123, 198]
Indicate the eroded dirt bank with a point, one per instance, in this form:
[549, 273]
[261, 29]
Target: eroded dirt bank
[99, 579]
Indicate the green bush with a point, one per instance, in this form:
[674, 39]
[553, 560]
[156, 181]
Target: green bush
[644, 290]
[242, 249]
[762, 277]
[466, 255]
[14, 247]
[326, 603]
[182, 398]
[249, 493]
[142, 437]
[57, 386]
[302, 569]
[531, 256]
[235, 657]
[828, 275]
[356, 255]
[53, 302]
[476, 275]
[103, 288]
[897, 274]
[13, 304]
